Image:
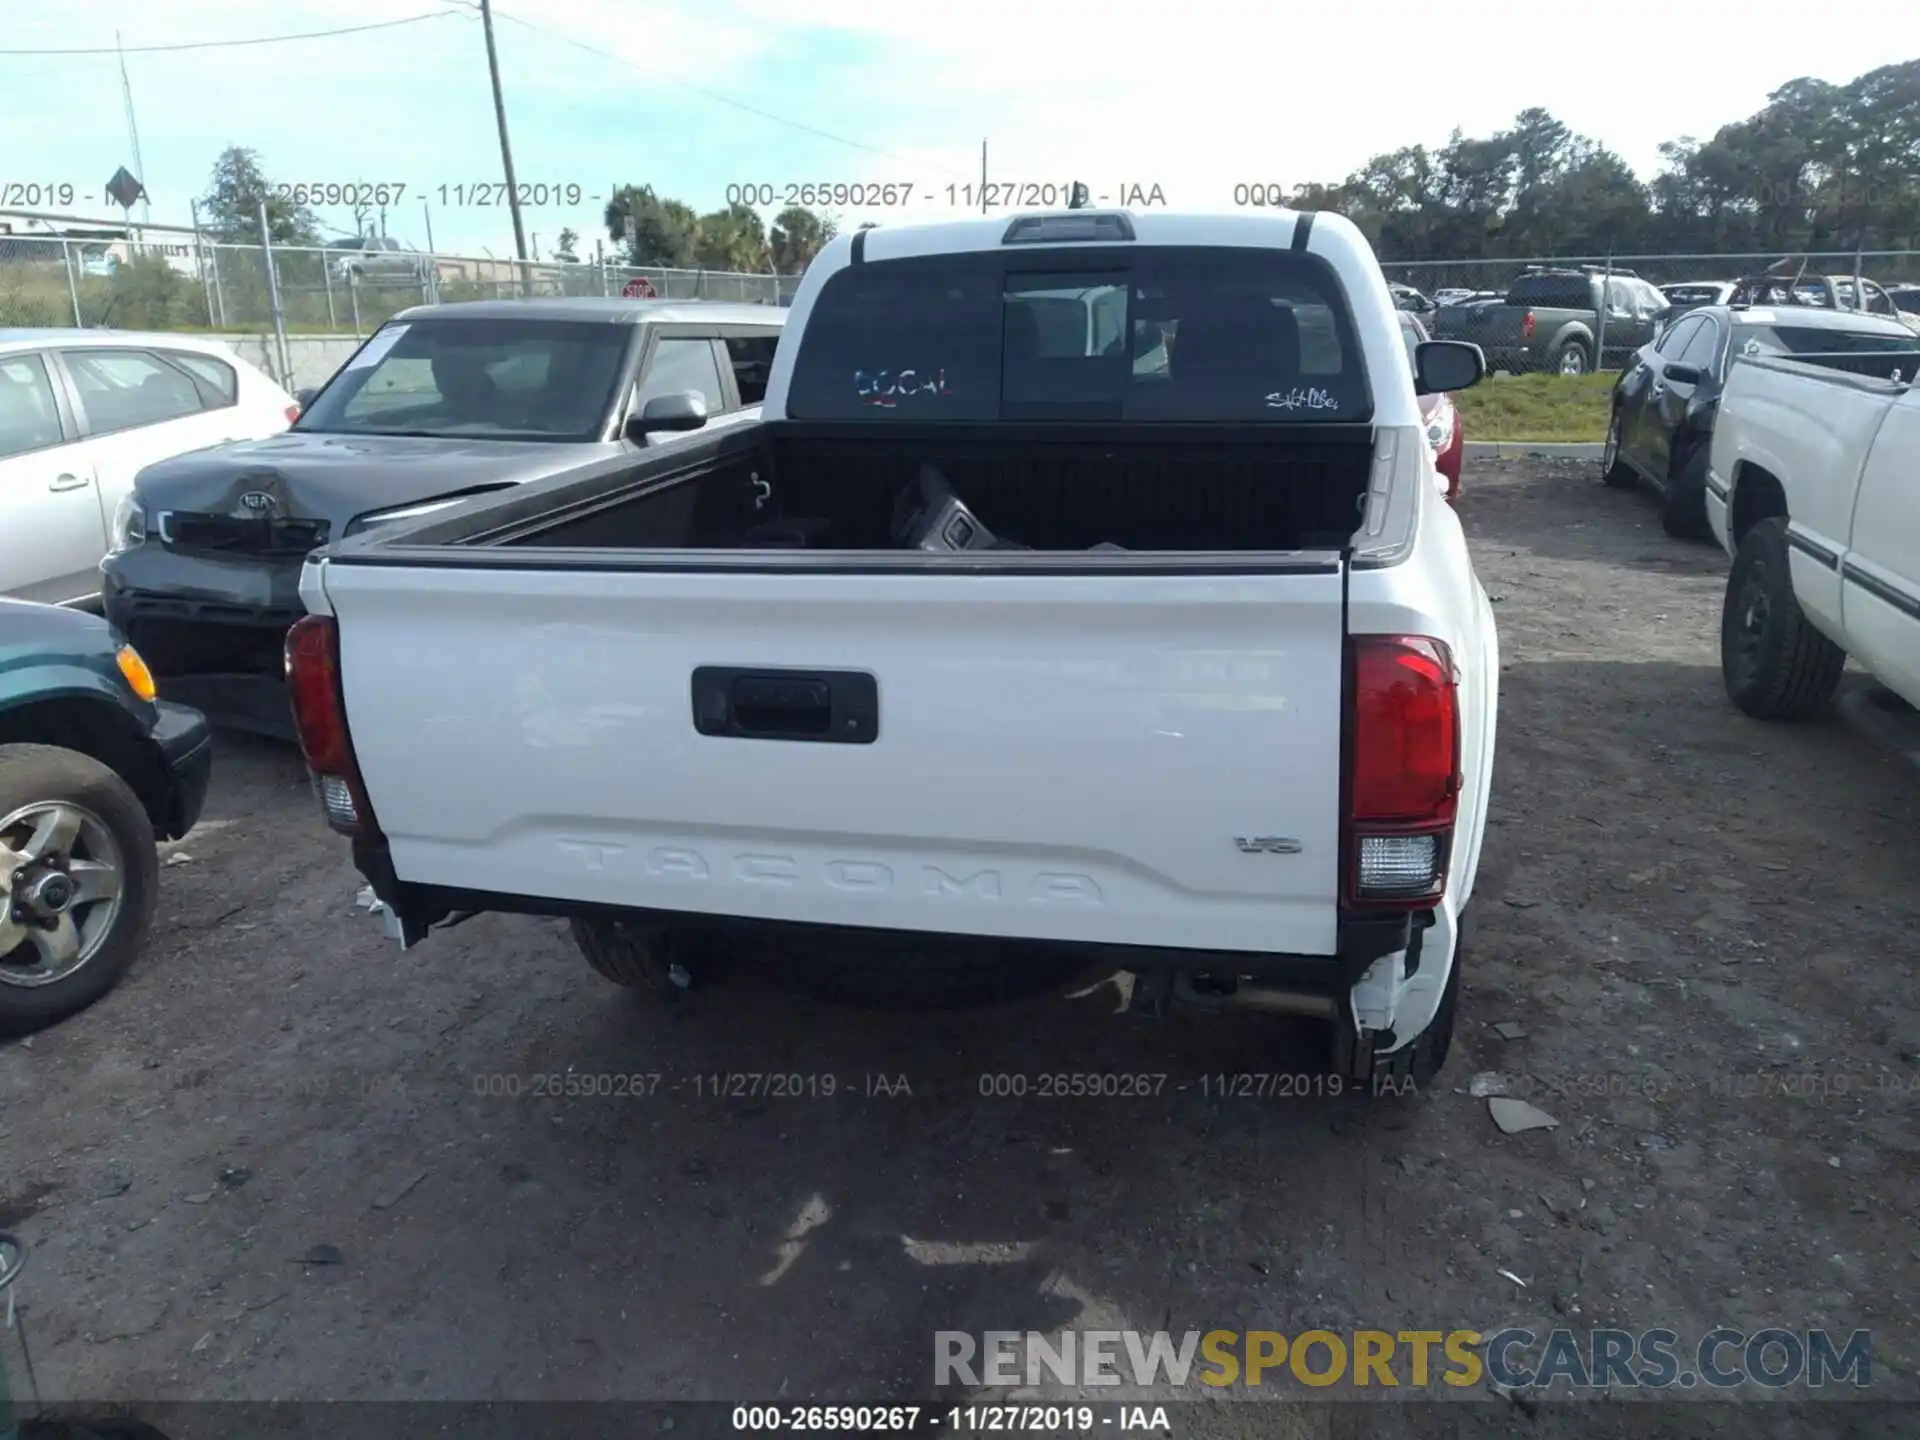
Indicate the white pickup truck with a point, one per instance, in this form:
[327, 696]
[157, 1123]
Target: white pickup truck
[1082, 597]
[1813, 487]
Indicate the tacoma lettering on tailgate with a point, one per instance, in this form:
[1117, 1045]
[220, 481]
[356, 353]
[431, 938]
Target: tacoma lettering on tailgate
[858, 877]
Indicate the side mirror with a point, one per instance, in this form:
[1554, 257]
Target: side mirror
[679, 410]
[1443, 365]
[1682, 374]
[303, 397]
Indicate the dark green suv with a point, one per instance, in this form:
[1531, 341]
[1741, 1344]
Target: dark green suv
[92, 770]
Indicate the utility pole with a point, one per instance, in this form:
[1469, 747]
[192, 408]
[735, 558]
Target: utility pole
[133, 134]
[506, 149]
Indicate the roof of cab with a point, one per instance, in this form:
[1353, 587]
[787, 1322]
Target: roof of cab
[1262, 228]
[13, 339]
[612, 310]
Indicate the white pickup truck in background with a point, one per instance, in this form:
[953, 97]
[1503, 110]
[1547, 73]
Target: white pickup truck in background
[1082, 597]
[1814, 489]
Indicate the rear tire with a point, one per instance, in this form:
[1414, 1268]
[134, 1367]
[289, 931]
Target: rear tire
[643, 958]
[1775, 665]
[1683, 513]
[114, 832]
[1570, 359]
[1614, 471]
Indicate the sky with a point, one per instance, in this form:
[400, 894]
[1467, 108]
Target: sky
[1186, 103]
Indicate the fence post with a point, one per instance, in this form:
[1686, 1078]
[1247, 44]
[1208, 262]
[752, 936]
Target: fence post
[353, 292]
[433, 257]
[73, 286]
[326, 274]
[200, 259]
[219, 290]
[1606, 304]
[273, 300]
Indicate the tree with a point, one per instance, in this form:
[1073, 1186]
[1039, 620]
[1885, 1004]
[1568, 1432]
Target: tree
[651, 231]
[798, 235]
[230, 210]
[731, 239]
[566, 246]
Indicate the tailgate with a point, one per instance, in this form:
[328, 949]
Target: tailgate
[1050, 756]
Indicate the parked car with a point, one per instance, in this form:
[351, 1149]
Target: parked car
[376, 257]
[1692, 294]
[1811, 492]
[442, 401]
[1906, 299]
[1451, 295]
[1406, 298]
[92, 769]
[81, 411]
[1440, 417]
[1552, 319]
[646, 694]
[1665, 403]
[1777, 287]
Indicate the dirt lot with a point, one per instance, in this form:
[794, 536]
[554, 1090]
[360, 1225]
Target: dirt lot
[1703, 926]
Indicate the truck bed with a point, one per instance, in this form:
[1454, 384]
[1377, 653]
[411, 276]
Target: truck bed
[690, 702]
[792, 488]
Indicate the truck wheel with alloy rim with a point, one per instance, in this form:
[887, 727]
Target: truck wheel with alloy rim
[78, 877]
[1571, 359]
[1613, 470]
[1775, 664]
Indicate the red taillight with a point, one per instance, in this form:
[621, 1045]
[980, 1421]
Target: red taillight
[1526, 326]
[320, 715]
[1404, 787]
[293, 413]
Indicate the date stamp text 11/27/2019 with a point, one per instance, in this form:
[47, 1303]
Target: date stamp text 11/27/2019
[489, 194]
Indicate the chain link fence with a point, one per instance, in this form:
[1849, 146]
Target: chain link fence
[162, 278]
[1580, 314]
[1567, 315]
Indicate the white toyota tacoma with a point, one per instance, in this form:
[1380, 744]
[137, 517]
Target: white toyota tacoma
[1082, 597]
[1811, 488]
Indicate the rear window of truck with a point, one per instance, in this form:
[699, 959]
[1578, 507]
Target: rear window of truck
[1188, 335]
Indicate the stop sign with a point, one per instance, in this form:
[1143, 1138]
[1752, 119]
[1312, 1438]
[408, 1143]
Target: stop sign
[639, 288]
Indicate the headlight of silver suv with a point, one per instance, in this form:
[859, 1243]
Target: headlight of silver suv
[129, 524]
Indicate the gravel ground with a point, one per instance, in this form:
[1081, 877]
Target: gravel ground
[1698, 930]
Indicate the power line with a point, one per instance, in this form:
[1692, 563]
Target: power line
[229, 44]
[713, 95]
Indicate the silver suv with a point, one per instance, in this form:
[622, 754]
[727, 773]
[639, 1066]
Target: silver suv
[375, 257]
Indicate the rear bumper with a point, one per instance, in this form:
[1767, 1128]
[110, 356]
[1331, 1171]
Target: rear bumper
[211, 629]
[185, 741]
[1363, 939]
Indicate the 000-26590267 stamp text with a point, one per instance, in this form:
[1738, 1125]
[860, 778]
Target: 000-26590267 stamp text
[534, 194]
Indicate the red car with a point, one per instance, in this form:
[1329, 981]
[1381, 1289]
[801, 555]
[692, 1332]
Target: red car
[1445, 435]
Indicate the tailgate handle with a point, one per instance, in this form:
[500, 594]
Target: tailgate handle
[833, 707]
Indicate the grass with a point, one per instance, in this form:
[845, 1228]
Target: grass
[1537, 407]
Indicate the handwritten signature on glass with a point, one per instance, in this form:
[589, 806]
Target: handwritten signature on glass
[886, 389]
[1309, 398]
